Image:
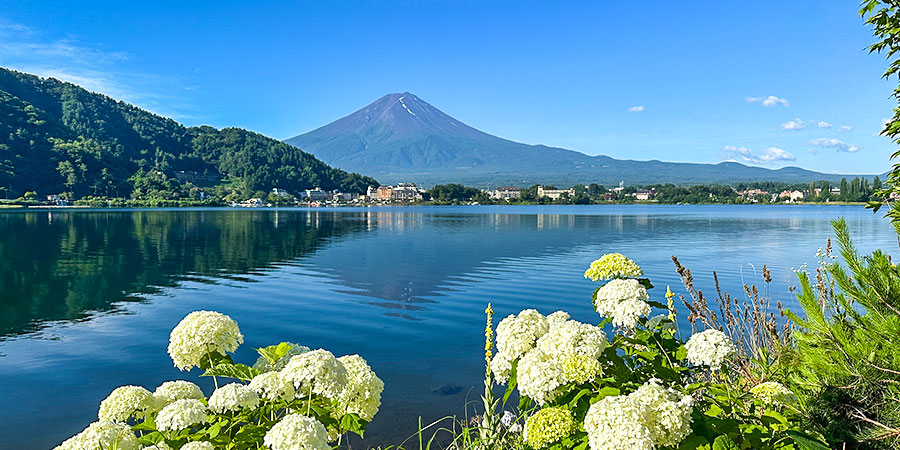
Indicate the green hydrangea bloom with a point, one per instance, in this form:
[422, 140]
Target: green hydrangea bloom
[581, 368]
[547, 426]
[613, 265]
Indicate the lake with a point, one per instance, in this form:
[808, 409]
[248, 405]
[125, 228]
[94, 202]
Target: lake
[88, 297]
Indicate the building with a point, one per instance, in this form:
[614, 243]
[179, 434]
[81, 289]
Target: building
[384, 192]
[554, 193]
[192, 177]
[505, 193]
[280, 192]
[792, 196]
[644, 194]
[314, 195]
[405, 192]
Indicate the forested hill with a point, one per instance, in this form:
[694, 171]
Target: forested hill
[58, 137]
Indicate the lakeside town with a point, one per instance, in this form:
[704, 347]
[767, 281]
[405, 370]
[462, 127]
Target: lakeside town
[856, 190]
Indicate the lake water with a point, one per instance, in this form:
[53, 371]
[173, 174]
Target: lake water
[88, 297]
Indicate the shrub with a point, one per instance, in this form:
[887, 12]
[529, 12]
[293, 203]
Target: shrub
[291, 398]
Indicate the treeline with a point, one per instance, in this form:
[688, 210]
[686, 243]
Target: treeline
[56, 137]
[854, 190]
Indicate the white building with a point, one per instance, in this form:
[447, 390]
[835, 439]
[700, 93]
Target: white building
[505, 193]
[554, 193]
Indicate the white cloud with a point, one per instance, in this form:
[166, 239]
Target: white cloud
[89, 66]
[844, 128]
[769, 155]
[835, 144]
[824, 124]
[639, 108]
[795, 124]
[769, 101]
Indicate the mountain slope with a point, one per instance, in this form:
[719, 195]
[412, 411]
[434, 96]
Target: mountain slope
[57, 137]
[400, 137]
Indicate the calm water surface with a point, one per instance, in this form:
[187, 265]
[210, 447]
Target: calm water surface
[87, 298]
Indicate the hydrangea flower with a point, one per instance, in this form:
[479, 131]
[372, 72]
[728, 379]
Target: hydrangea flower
[201, 333]
[651, 416]
[614, 423]
[125, 402]
[581, 368]
[272, 386]
[318, 372]
[667, 414]
[263, 365]
[362, 396]
[557, 318]
[198, 445]
[102, 436]
[542, 371]
[181, 414]
[623, 301]
[547, 426]
[170, 391]
[709, 348]
[773, 393]
[516, 335]
[297, 432]
[233, 397]
[613, 265]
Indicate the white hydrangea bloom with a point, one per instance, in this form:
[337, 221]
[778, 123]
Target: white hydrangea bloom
[773, 393]
[362, 396]
[263, 365]
[667, 414]
[125, 402]
[501, 366]
[233, 397]
[158, 446]
[272, 386]
[170, 391]
[297, 432]
[516, 335]
[317, 371]
[198, 445]
[543, 370]
[102, 436]
[627, 312]
[651, 416]
[574, 338]
[623, 301]
[557, 318]
[614, 423]
[200, 333]
[539, 374]
[181, 414]
[709, 348]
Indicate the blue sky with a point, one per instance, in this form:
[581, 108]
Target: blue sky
[767, 83]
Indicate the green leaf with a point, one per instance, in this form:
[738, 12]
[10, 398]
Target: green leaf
[353, 423]
[273, 353]
[774, 418]
[694, 442]
[806, 442]
[645, 282]
[511, 383]
[724, 443]
[241, 372]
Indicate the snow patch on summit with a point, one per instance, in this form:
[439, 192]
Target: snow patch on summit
[404, 106]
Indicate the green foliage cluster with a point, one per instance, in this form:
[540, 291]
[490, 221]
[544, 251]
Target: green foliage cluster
[849, 362]
[726, 412]
[56, 137]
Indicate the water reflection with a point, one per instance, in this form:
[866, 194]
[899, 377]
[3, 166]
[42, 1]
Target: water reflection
[67, 265]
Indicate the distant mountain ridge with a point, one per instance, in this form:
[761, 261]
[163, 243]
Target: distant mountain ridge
[400, 137]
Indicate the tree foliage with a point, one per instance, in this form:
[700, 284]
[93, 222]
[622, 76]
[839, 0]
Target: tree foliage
[57, 137]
